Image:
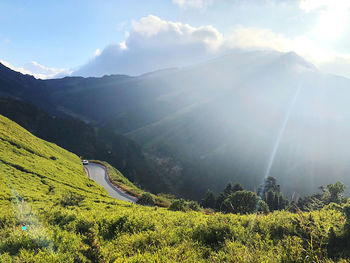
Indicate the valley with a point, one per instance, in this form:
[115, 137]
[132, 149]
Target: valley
[188, 125]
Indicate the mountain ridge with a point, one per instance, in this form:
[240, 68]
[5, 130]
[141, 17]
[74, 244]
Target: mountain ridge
[218, 121]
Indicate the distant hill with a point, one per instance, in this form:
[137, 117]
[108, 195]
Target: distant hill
[218, 121]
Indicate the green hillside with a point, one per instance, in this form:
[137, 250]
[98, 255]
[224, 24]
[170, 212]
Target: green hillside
[36, 170]
[68, 218]
[85, 140]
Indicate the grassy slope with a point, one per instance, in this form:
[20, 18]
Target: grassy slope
[33, 189]
[38, 170]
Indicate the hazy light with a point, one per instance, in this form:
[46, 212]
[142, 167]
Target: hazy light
[333, 17]
[331, 23]
[280, 134]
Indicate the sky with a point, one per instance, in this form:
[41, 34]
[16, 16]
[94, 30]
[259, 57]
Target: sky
[57, 38]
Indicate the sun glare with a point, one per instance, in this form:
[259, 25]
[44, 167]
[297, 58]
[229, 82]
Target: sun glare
[331, 23]
[333, 17]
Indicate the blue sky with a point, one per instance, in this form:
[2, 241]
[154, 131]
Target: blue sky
[90, 37]
[65, 33]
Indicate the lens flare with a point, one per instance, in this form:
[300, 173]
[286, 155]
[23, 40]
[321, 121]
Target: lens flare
[280, 135]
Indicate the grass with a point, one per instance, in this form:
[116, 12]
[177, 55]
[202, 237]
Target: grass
[69, 218]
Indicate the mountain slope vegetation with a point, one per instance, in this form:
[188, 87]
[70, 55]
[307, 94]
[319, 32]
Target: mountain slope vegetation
[50, 211]
[85, 140]
[217, 121]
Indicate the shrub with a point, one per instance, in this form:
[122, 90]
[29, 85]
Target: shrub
[182, 205]
[241, 202]
[177, 205]
[193, 205]
[262, 207]
[83, 226]
[146, 199]
[346, 211]
[71, 199]
[213, 233]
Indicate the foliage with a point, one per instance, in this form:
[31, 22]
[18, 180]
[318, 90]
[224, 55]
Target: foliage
[146, 199]
[183, 205]
[234, 199]
[262, 207]
[71, 199]
[209, 201]
[241, 202]
[103, 229]
[332, 193]
[229, 189]
[271, 194]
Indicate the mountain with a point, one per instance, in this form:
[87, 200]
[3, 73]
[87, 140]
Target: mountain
[219, 121]
[50, 211]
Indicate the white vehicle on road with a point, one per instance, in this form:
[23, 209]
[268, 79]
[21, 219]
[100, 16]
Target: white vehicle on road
[85, 162]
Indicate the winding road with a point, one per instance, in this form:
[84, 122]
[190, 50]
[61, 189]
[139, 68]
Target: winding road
[98, 173]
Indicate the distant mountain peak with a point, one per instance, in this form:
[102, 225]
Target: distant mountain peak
[291, 58]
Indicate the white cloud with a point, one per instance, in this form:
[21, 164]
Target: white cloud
[154, 44]
[327, 60]
[38, 71]
[152, 30]
[257, 38]
[185, 4]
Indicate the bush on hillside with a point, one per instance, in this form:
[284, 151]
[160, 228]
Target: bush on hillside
[183, 205]
[146, 199]
[71, 199]
[241, 202]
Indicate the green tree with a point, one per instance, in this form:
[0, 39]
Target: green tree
[275, 200]
[237, 187]
[242, 202]
[270, 192]
[270, 184]
[209, 201]
[229, 189]
[262, 207]
[335, 193]
[332, 193]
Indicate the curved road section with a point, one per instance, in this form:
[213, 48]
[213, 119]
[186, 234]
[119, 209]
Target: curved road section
[97, 173]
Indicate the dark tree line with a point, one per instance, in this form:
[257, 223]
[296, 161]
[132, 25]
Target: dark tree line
[331, 193]
[269, 197]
